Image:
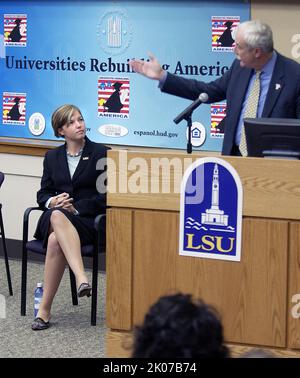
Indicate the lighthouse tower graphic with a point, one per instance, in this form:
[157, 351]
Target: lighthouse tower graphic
[214, 215]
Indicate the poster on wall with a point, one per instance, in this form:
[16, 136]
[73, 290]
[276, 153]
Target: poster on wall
[58, 52]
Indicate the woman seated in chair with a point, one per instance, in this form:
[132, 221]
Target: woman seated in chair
[71, 201]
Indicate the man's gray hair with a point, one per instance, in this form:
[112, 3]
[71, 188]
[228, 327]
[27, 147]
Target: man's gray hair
[257, 35]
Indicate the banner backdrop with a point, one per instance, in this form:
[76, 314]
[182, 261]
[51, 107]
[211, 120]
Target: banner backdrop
[57, 52]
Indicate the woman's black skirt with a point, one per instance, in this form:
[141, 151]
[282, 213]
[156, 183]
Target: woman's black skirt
[83, 225]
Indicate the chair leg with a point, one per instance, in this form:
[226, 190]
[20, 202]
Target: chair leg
[73, 288]
[5, 255]
[94, 289]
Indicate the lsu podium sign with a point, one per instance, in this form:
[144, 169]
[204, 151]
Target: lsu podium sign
[211, 211]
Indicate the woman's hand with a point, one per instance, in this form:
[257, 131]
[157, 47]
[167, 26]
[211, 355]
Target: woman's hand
[59, 200]
[63, 200]
[69, 206]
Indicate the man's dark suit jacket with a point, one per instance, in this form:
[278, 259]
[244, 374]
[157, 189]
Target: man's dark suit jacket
[282, 101]
[82, 187]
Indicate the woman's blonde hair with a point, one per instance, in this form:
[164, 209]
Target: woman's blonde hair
[62, 116]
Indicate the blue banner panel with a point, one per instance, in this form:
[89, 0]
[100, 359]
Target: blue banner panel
[57, 52]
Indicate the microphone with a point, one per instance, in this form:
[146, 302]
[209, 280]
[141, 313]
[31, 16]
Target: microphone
[203, 97]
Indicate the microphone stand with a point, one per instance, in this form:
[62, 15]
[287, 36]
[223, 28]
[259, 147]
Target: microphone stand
[187, 115]
[189, 145]
[188, 118]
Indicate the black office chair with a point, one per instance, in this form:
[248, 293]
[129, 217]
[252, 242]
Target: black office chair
[91, 250]
[2, 234]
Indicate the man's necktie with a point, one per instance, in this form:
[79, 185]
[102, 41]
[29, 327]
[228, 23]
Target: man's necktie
[251, 110]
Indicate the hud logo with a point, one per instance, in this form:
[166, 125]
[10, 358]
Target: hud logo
[114, 32]
[15, 30]
[223, 29]
[14, 108]
[198, 134]
[37, 124]
[113, 97]
[211, 211]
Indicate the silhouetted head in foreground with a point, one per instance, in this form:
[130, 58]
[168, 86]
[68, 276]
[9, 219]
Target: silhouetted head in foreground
[177, 326]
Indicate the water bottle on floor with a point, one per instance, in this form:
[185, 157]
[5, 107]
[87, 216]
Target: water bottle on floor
[38, 295]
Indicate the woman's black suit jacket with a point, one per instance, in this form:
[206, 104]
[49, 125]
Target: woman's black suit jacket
[82, 188]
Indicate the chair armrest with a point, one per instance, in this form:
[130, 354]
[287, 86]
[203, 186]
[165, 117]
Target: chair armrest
[97, 224]
[26, 221]
[98, 220]
[29, 210]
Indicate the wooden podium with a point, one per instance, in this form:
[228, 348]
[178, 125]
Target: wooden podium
[253, 296]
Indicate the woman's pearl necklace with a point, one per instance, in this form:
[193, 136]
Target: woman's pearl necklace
[75, 155]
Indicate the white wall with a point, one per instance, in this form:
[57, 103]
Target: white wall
[283, 17]
[22, 181]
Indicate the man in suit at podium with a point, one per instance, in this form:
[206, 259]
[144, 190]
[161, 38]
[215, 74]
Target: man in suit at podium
[260, 83]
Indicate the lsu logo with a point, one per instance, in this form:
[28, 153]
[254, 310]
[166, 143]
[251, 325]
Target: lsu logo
[211, 211]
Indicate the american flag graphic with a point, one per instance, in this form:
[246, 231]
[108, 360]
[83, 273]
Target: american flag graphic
[14, 108]
[15, 30]
[219, 25]
[113, 97]
[217, 114]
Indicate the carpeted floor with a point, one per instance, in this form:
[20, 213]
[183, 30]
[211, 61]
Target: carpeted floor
[70, 335]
